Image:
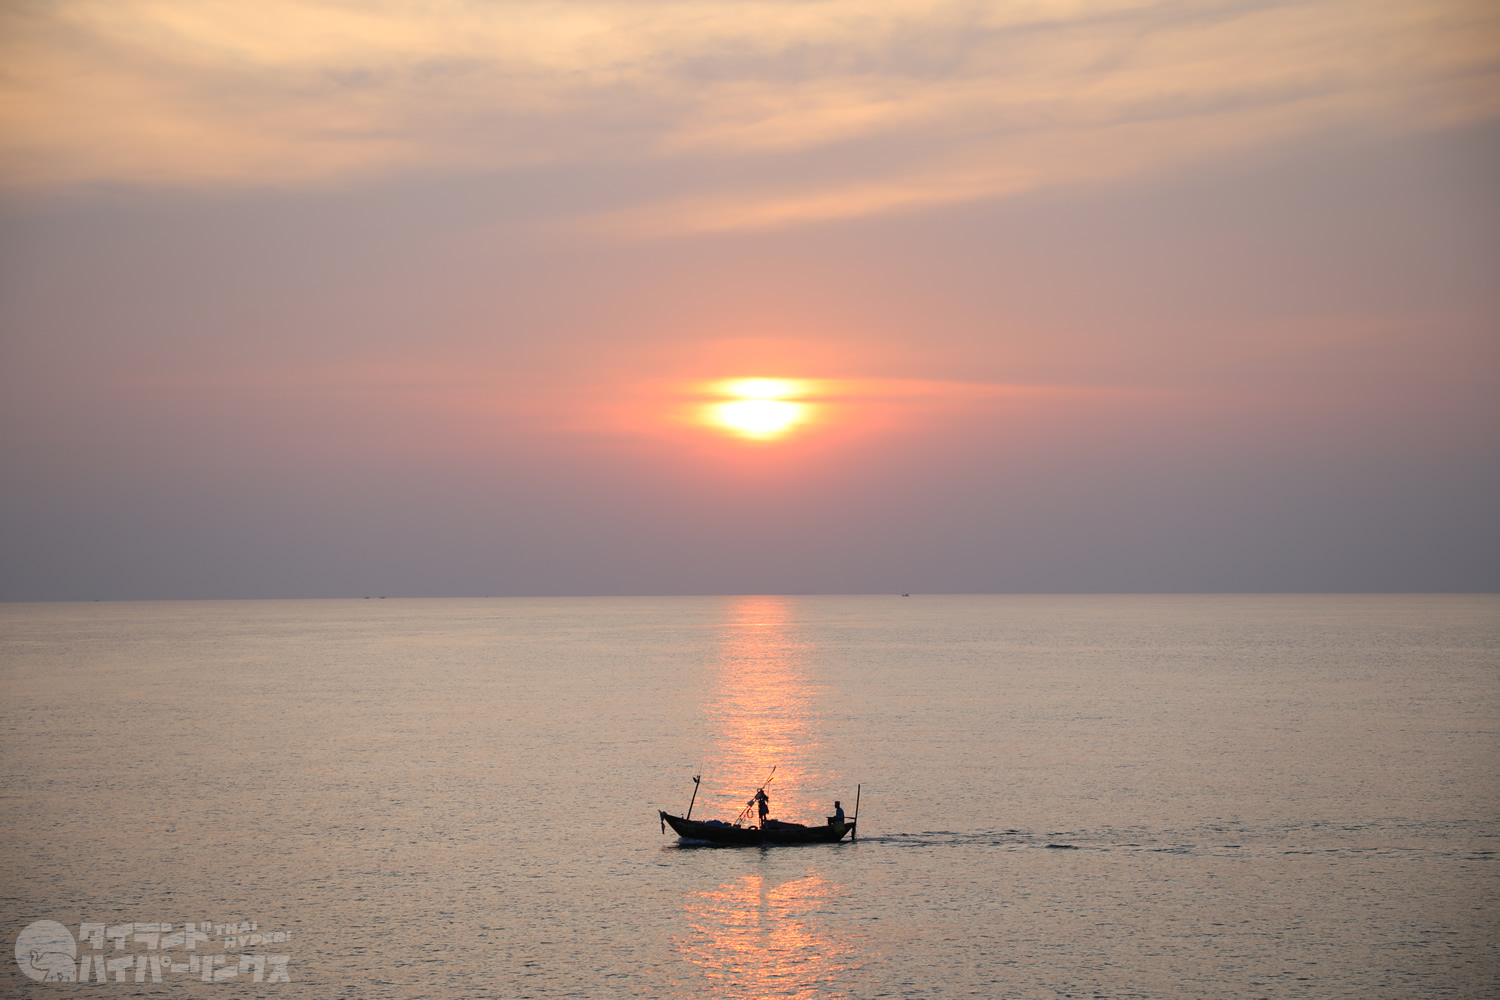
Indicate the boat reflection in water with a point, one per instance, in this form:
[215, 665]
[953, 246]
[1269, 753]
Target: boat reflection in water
[754, 936]
[768, 933]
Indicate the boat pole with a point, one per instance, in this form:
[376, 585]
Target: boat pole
[689, 815]
[854, 833]
[745, 812]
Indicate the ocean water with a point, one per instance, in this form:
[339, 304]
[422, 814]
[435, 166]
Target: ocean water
[1206, 796]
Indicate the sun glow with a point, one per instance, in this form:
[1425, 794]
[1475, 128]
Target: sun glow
[758, 410]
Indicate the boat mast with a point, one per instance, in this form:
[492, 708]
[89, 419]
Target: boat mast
[696, 778]
[854, 833]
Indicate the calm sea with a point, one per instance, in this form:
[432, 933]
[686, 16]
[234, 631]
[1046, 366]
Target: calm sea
[1215, 796]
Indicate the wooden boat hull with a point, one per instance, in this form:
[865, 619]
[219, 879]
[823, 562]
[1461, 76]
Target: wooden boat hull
[773, 832]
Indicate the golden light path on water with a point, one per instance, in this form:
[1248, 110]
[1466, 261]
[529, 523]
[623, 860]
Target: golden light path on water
[758, 934]
[754, 936]
[762, 713]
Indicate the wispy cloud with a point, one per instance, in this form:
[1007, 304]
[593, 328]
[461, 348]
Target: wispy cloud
[779, 113]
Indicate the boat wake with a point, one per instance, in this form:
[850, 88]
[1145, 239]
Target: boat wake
[1391, 838]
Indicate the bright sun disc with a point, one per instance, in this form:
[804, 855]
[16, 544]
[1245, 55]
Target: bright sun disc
[760, 409]
[758, 417]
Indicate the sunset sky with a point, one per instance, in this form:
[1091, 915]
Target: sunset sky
[304, 299]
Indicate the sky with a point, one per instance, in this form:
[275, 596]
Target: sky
[463, 298]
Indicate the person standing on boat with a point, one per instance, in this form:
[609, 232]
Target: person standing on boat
[763, 804]
[838, 813]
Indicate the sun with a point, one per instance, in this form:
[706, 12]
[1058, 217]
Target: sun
[758, 418]
[757, 409]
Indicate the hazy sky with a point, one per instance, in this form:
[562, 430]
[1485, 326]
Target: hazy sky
[307, 299]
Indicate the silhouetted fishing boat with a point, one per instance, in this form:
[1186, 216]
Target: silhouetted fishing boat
[716, 831]
[770, 831]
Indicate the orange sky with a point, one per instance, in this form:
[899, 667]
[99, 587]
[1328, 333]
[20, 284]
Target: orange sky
[309, 299]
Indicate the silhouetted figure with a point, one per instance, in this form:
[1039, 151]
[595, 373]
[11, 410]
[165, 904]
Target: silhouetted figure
[838, 813]
[762, 804]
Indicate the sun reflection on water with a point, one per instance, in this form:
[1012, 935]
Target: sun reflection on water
[763, 715]
[756, 937]
[765, 934]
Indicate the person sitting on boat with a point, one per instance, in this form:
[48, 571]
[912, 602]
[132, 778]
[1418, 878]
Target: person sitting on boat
[763, 804]
[838, 813]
